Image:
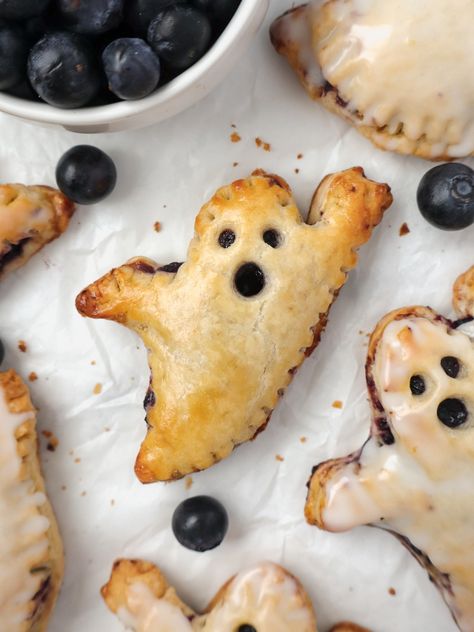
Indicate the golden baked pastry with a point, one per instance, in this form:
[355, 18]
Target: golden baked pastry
[30, 217]
[226, 330]
[265, 598]
[413, 476]
[31, 559]
[400, 72]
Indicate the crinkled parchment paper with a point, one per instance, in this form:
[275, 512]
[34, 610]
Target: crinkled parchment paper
[166, 172]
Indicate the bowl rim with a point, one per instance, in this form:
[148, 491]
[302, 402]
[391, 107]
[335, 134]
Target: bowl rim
[109, 113]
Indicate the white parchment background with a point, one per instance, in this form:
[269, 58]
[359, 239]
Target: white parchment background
[166, 172]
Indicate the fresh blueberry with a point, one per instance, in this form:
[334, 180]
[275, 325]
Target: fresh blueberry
[220, 11]
[446, 196]
[13, 55]
[90, 16]
[86, 174]
[180, 35]
[63, 70]
[200, 523]
[132, 68]
[22, 9]
[2, 352]
[139, 13]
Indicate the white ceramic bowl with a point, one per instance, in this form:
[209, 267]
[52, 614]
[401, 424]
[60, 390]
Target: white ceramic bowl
[167, 101]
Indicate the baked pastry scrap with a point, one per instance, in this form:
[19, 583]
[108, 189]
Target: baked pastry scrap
[413, 475]
[31, 557]
[400, 72]
[263, 598]
[226, 330]
[30, 217]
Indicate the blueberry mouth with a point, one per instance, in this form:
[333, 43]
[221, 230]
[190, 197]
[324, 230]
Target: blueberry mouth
[249, 280]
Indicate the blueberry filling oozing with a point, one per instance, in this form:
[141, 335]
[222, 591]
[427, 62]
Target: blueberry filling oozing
[150, 399]
[451, 366]
[171, 267]
[16, 250]
[272, 238]
[246, 628]
[452, 412]
[417, 385]
[249, 280]
[226, 238]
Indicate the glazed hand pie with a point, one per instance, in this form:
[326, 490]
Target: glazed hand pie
[30, 217]
[31, 555]
[413, 476]
[401, 72]
[226, 330]
[263, 598]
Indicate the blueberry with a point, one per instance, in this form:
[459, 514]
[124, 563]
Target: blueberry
[139, 13]
[13, 55]
[446, 196]
[86, 174]
[63, 71]
[2, 352]
[22, 9]
[220, 11]
[180, 35]
[200, 523]
[132, 68]
[90, 16]
[452, 412]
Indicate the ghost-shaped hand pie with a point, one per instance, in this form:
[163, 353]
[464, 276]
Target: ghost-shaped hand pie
[31, 554]
[400, 72]
[226, 330]
[263, 598]
[413, 477]
[30, 217]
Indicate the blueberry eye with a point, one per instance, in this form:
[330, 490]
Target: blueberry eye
[249, 280]
[417, 385]
[246, 628]
[451, 366]
[272, 238]
[226, 238]
[452, 412]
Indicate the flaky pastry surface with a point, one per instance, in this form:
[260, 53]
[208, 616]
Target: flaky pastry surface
[413, 476]
[220, 360]
[30, 217]
[31, 560]
[399, 72]
[265, 597]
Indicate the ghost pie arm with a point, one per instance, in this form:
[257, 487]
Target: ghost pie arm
[121, 294]
[463, 294]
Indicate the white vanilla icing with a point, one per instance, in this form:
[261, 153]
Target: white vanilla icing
[264, 596]
[421, 485]
[403, 63]
[23, 530]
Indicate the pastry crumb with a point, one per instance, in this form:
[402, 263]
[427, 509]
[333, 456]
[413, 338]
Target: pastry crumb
[235, 138]
[188, 483]
[297, 170]
[233, 125]
[337, 404]
[77, 460]
[97, 389]
[47, 433]
[22, 346]
[278, 457]
[303, 439]
[93, 362]
[392, 591]
[112, 502]
[264, 145]
[404, 229]
[235, 164]
[32, 376]
[53, 440]
[83, 493]
[63, 487]
[106, 429]
[157, 226]
[299, 156]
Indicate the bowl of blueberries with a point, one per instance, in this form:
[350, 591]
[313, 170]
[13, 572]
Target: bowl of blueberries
[107, 65]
